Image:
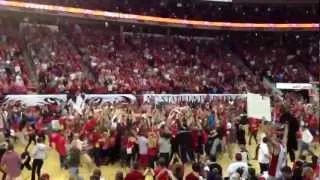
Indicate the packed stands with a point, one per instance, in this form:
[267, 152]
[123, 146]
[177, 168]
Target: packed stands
[141, 63]
[14, 77]
[145, 63]
[110, 92]
[282, 57]
[58, 64]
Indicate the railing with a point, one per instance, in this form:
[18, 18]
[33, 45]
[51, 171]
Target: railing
[151, 20]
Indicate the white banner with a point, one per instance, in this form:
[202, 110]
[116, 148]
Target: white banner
[258, 107]
[295, 86]
[109, 98]
[78, 101]
[34, 100]
[193, 98]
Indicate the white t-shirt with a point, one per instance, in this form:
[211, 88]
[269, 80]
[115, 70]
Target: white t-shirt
[164, 145]
[307, 136]
[143, 145]
[233, 167]
[263, 154]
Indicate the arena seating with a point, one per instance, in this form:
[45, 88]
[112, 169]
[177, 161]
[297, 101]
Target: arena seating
[13, 75]
[281, 57]
[146, 63]
[109, 92]
[58, 65]
[141, 63]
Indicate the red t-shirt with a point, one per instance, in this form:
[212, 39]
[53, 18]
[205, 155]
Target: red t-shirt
[61, 145]
[62, 122]
[40, 127]
[174, 130]
[164, 176]
[134, 175]
[53, 138]
[191, 176]
[90, 125]
[94, 138]
[312, 121]
[130, 143]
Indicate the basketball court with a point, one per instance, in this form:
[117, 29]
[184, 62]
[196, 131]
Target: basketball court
[51, 165]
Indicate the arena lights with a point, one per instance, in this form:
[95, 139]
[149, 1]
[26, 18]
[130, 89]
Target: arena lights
[70, 11]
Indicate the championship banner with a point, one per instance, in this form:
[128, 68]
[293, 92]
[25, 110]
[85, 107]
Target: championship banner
[190, 98]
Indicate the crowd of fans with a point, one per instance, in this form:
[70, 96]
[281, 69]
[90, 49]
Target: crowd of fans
[13, 74]
[57, 63]
[201, 10]
[144, 63]
[64, 59]
[159, 141]
[162, 140]
[281, 57]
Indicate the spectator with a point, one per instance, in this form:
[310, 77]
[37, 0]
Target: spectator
[96, 175]
[196, 172]
[293, 127]
[238, 167]
[297, 170]
[165, 147]
[264, 156]
[213, 166]
[143, 150]
[134, 174]
[73, 161]
[159, 174]
[39, 154]
[177, 171]
[60, 145]
[12, 163]
[45, 177]
[307, 138]
[286, 173]
[149, 173]
[26, 159]
[253, 129]
[215, 138]
[315, 166]
[308, 173]
[119, 176]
